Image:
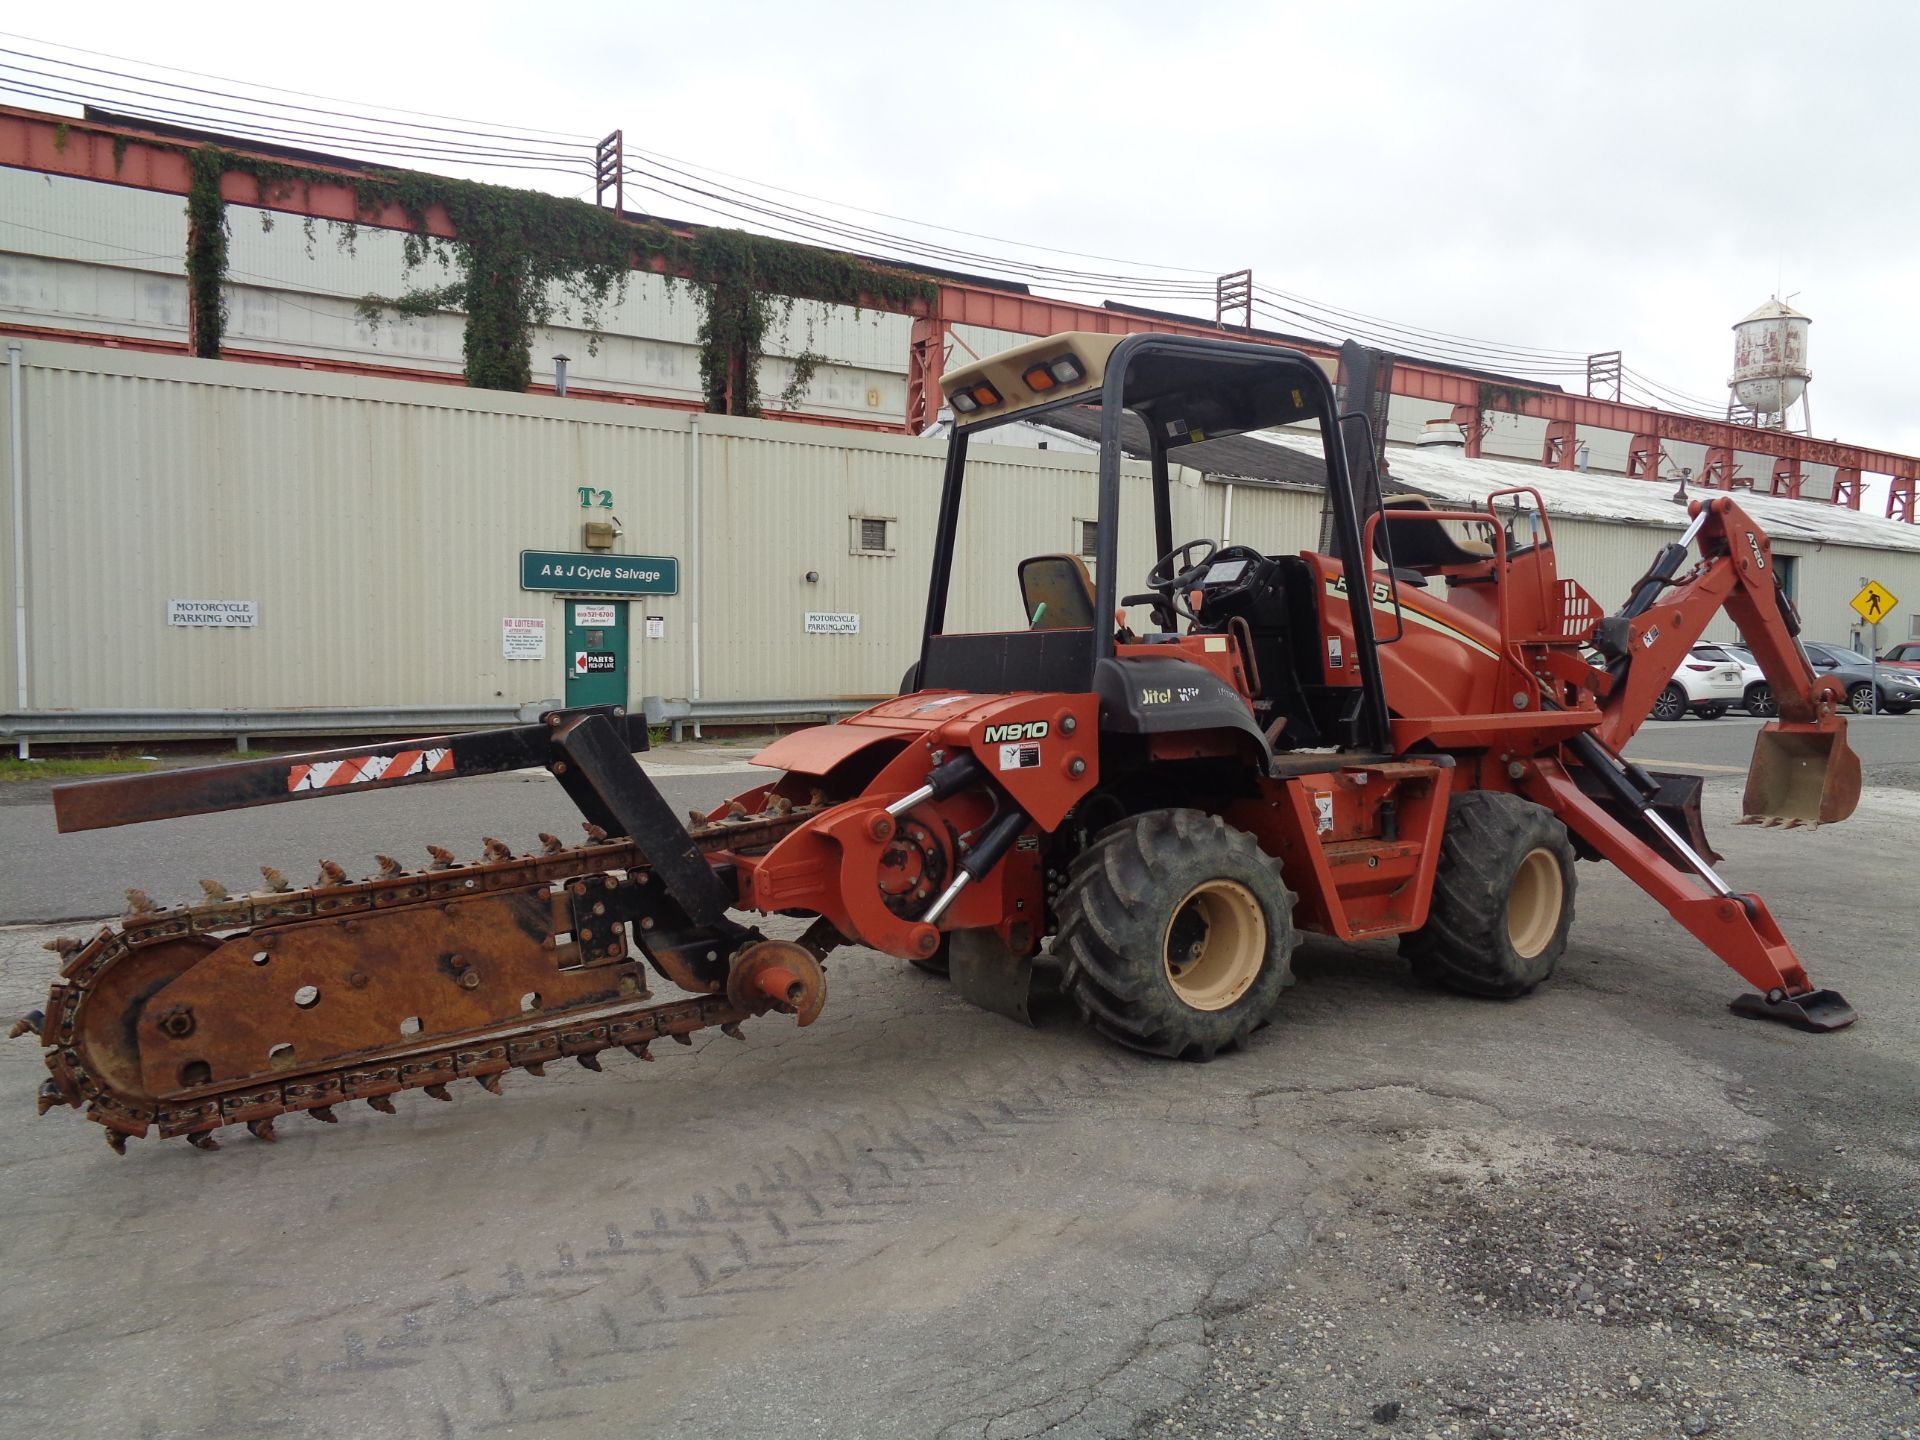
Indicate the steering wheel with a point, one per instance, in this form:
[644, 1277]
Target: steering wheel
[1175, 583]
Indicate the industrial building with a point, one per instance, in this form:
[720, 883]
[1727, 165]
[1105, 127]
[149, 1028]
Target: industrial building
[204, 537]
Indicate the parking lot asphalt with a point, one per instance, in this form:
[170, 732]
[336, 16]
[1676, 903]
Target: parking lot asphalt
[1609, 1209]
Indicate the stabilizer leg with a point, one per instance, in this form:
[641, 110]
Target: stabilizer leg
[1738, 928]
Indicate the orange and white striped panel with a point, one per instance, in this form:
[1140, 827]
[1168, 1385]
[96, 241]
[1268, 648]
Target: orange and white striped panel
[359, 769]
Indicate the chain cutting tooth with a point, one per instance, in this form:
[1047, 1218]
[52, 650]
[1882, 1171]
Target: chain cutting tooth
[589, 1062]
[116, 1142]
[276, 881]
[215, 890]
[536, 1068]
[641, 1051]
[203, 1140]
[30, 1023]
[263, 1129]
[681, 1039]
[63, 946]
[139, 903]
[382, 1103]
[390, 868]
[438, 1092]
[442, 857]
[324, 1114]
[495, 849]
[331, 874]
[490, 1083]
[732, 1028]
[551, 844]
[49, 1096]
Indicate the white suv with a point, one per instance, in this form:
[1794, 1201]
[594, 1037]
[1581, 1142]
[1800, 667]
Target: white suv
[1709, 682]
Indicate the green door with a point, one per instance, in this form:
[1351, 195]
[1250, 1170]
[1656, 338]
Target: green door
[596, 652]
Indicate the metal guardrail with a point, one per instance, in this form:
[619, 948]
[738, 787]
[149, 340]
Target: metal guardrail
[240, 725]
[678, 714]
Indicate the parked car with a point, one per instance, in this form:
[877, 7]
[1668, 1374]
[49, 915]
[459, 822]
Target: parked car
[1906, 655]
[1708, 686]
[1756, 696]
[1712, 652]
[1899, 689]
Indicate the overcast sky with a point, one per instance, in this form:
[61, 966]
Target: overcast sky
[1573, 177]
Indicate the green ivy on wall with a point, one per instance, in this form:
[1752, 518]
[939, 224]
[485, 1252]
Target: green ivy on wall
[515, 251]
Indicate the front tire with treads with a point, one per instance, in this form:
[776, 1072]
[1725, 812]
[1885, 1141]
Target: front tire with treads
[1502, 898]
[1175, 934]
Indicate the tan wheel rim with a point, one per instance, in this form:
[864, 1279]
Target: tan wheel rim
[1215, 944]
[1533, 908]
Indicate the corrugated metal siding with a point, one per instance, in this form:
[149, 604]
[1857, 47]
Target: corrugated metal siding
[377, 524]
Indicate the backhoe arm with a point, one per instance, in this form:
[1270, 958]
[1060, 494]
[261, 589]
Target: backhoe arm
[1802, 771]
[1669, 611]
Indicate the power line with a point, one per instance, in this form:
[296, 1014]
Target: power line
[270, 89]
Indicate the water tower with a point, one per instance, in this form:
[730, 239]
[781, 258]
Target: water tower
[1770, 371]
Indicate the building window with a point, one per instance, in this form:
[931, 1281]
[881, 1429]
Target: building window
[872, 534]
[1088, 534]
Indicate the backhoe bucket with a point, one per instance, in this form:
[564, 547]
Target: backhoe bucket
[1802, 774]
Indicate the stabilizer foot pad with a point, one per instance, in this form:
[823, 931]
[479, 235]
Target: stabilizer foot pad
[1816, 1010]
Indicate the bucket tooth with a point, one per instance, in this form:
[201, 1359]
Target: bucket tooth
[30, 1023]
[595, 833]
[324, 1114]
[495, 849]
[203, 1140]
[263, 1129]
[331, 874]
[390, 868]
[276, 881]
[589, 1062]
[382, 1103]
[438, 1092]
[696, 819]
[116, 1142]
[776, 806]
[736, 811]
[442, 857]
[551, 844]
[215, 890]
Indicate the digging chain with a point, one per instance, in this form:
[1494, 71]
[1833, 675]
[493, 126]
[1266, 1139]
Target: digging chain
[70, 1028]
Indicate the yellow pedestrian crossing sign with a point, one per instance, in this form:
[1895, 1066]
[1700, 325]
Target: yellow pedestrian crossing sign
[1875, 603]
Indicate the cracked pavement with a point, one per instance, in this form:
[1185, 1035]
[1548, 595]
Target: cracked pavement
[1605, 1210]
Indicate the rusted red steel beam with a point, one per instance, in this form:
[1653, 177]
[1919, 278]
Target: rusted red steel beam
[118, 155]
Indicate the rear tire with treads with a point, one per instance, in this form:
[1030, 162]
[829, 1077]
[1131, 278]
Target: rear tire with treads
[1175, 934]
[1502, 898]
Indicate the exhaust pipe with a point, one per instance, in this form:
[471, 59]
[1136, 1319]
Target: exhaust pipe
[1802, 773]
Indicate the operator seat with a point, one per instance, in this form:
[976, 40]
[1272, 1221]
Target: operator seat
[1425, 544]
[1057, 591]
